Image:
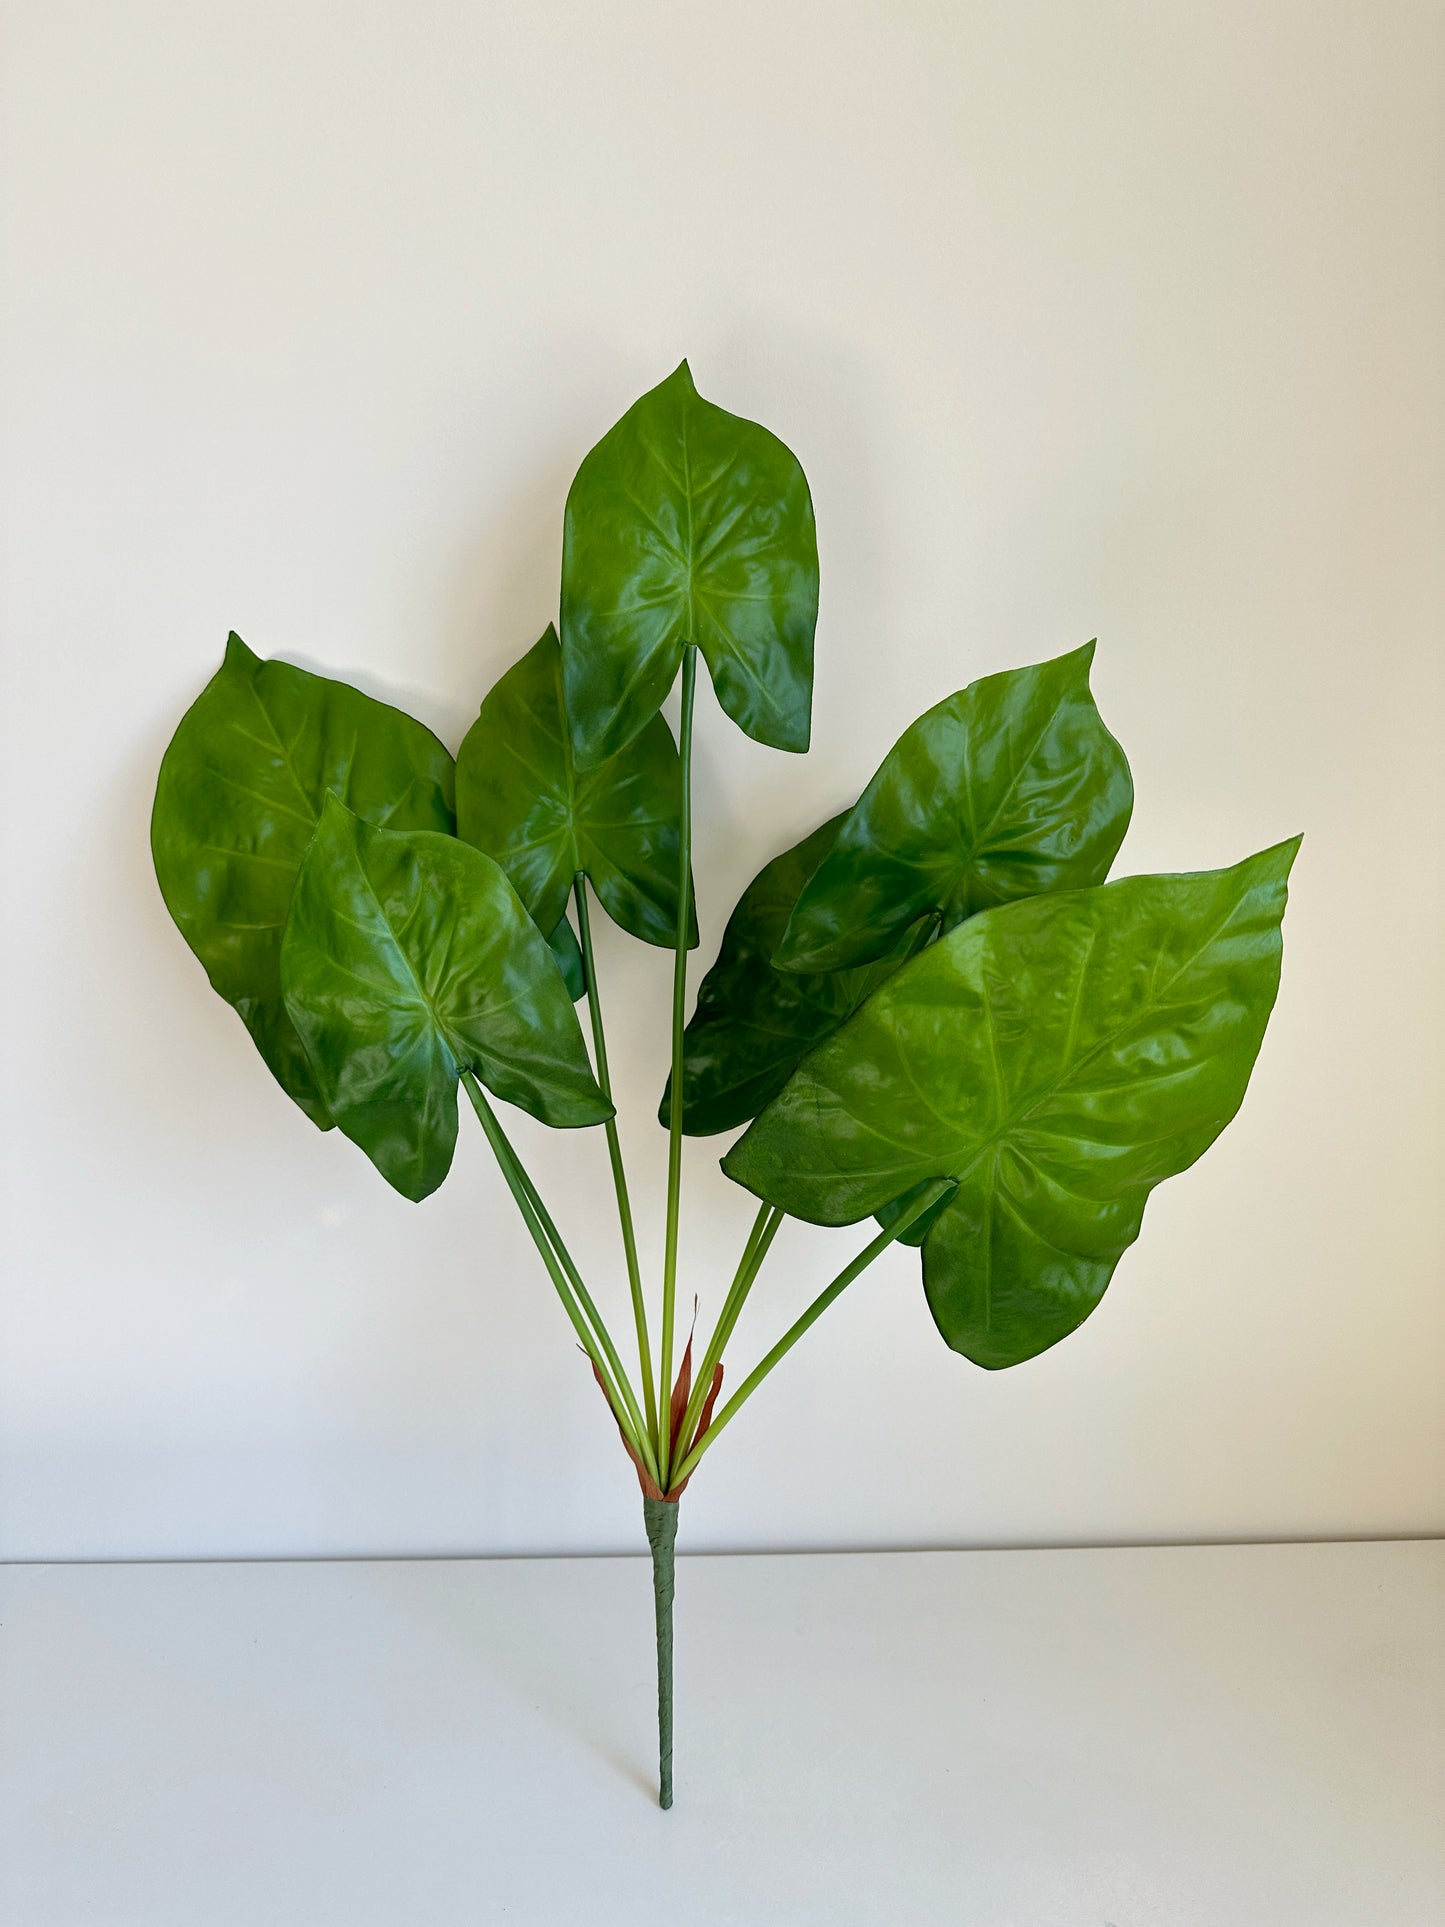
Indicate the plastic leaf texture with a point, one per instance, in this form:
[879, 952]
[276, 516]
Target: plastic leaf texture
[1058, 1058]
[753, 1022]
[1010, 788]
[688, 524]
[521, 798]
[408, 959]
[239, 794]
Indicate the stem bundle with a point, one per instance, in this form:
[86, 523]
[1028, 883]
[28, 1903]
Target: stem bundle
[666, 1454]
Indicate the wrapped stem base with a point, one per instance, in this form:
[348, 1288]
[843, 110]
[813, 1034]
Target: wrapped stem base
[660, 1518]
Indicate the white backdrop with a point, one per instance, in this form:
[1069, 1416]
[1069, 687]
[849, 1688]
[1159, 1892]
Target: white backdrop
[1115, 320]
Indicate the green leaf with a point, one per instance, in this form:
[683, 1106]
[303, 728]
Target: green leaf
[1057, 1058]
[688, 524]
[407, 960]
[753, 1022]
[521, 798]
[565, 948]
[1010, 788]
[240, 793]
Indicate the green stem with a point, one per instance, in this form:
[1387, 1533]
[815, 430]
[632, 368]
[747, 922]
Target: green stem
[619, 1175]
[660, 1518]
[810, 1317]
[679, 1001]
[599, 1324]
[563, 1272]
[743, 1284]
[765, 1229]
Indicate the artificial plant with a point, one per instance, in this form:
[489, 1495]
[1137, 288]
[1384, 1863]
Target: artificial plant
[933, 1011]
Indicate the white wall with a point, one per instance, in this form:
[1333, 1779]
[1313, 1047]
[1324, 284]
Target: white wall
[1084, 319]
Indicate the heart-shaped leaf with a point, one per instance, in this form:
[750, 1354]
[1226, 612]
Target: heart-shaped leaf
[1057, 1058]
[1009, 788]
[240, 793]
[753, 1022]
[408, 959]
[521, 798]
[688, 524]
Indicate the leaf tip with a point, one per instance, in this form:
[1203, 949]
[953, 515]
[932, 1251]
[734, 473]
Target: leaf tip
[1277, 861]
[238, 655]
[334, 809]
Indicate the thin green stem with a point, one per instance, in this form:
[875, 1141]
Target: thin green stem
[565, 1278]
[744, 1282]
[614, 1152]
[760, 1238]
[810, 1317]
[679, 1013]
[599, 1324]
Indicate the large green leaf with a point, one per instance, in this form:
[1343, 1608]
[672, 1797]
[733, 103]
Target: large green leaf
[521, 798]
[688, 524]
[1009, 788]
[753, 1022]
[408, 959]
[1057, 1058]
[240, 793]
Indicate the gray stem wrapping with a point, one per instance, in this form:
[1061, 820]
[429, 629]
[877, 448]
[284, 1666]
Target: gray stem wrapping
[660, 1517]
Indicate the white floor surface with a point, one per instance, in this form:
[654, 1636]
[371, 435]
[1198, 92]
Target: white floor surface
[1194, 1737]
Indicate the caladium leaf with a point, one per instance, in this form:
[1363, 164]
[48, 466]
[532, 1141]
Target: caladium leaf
[408, 959]
[239, 794]
[521, 798]
[1057, 1058]
[753, 1022]
[1009, 788]
[688, 524]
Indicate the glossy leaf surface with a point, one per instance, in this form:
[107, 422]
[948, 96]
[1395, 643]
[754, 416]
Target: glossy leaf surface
[240, 793]
[521, 798]
[1058, 1058]
[407, 960]
[753, 1022]
[688, 524]
[1009, 788]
